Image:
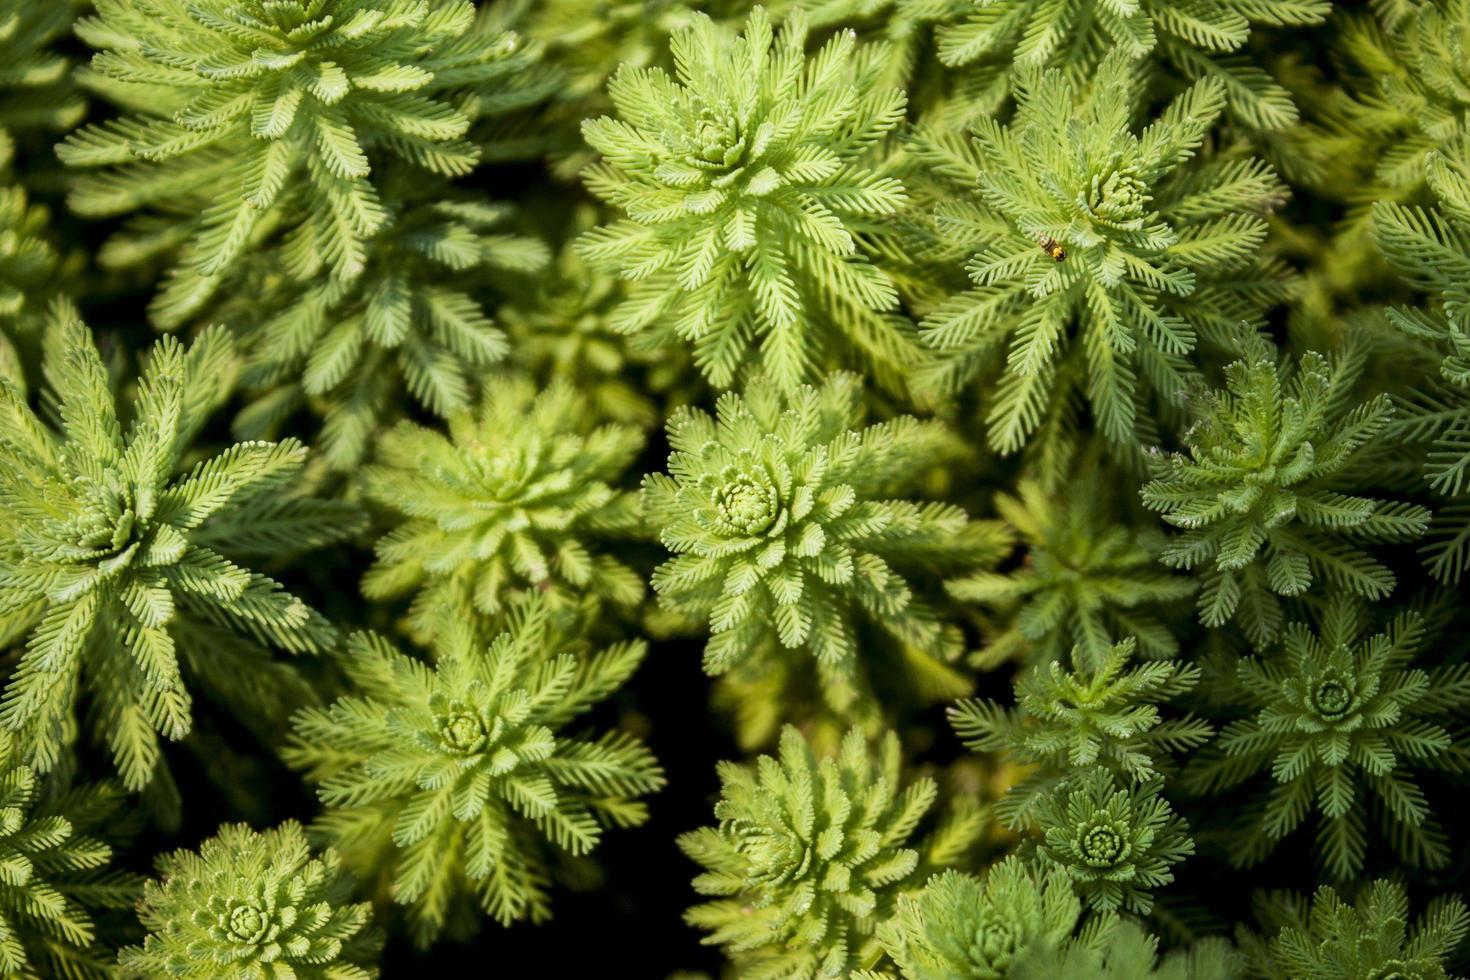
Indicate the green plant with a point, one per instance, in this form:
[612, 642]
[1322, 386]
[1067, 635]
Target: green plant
[454, 781]
[1432, 249]
[519, 496]
[1196, 39]
[592, 39]
[249, 905]
[27, 259]
[37, 91]
[1410, 98]
[56, 872]
[1370, 937]
[29, 267]
[560, 327]
[1265, 495]
[960, 927]
[409, 320]
[786, 537]
[116, 555]
[1104, 711]
[746, 193]
[808, 858]
[1118, 951]
[1130, 953]
[1100, 260]
[1117, 843]
[1342, 721]
[264, 112]
[1087, 578]
[1037, 360]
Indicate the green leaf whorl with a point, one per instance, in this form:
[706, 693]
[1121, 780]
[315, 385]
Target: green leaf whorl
[250, 906]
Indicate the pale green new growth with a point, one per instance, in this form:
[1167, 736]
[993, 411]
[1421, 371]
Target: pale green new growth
[410, 321]
[1335, 718]
[1116, 842]
[746, 192]
[785, 534]
[520, 495]
[809, 857]
[455, 782]
[54, 874]
[116, 563]
[1100, 261]
[1265, 495]
[262, 115]
[960, 927]
[252, 906]
[1104, 711]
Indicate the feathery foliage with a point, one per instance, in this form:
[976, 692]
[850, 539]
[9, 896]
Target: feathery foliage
[455, 779]
[562, 328]
[1264, 496]
[1342, 721]
[1117, 843]
[1102, 712]
[592, 39]
[409, 320]
[265, 111]
[37, 90]
[809, 857]
[520, 495]
[1037, 360]
[1100, 260]
[746, 189]
[785, 537]
[1370, 937]
[1130, 953]
[28, 260]
[1410, 100]
[959, 927]
[1086, 578]
[1196, 39]
[247, 906]
[117, 561]
[1432, 249]
[29, 267]
[1120, 951]
[55, 872]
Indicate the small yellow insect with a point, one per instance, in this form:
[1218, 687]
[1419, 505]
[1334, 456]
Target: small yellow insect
[1050, 247]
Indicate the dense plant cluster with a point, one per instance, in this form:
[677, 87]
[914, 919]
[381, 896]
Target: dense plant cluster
[781, 490]
[250, 904]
